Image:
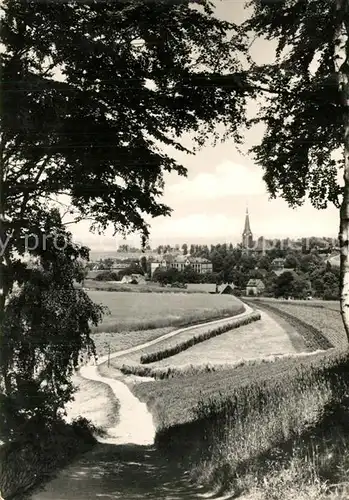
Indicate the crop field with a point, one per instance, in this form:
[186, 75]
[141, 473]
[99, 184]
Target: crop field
[264, 338]
[256, 340]
[270, 428]
[173, 400]
[324, 316]
[189, 336]
[248, 427]
[145, 311]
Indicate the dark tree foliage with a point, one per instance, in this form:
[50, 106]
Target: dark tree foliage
[45, 332]
[95, 96]
[303, 109]
[306, 109]
[92, 91]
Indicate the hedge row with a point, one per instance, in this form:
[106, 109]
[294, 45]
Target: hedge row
[27, 463]
[313, 338]
[196, 339]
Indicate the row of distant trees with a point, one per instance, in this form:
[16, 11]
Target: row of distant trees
[305, 245]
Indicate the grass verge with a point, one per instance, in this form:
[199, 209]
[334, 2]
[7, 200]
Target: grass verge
[168, 372]
[111, 342]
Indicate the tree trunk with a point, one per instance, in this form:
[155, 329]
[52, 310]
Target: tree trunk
[342, 68]
[344, 249]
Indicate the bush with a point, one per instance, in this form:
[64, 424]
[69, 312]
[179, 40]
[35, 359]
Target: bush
[26, 463]
[107, 276]
[213, 332]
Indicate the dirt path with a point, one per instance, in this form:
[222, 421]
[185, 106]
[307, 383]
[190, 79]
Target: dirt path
[125, 465]
[135, 422]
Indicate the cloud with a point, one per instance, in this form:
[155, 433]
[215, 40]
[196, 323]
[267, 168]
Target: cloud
[195, 225]
[228, 179]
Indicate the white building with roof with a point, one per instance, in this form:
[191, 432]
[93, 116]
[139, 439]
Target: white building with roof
[180, 262]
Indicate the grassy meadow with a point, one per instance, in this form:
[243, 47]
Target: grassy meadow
[262, 429]
[169, 346]
[255, 340]
[149, 287]
[264, 338]
[145, 311]
[106, 342]
[272, 428]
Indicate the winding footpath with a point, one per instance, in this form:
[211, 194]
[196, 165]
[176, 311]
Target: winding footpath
[125, 465]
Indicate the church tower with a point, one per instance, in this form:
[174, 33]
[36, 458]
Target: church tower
[247, 237]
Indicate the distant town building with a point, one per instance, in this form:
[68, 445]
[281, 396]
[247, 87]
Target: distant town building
[198, 264]
[278, 264]
[228, 289]
[278, 272]
[255, 287]
[118, 266]
[278, 267]
[260, 246]
[137, 279]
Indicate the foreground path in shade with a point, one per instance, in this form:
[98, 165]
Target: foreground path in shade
[125, 465]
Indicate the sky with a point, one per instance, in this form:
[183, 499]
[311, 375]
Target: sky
[209, 205]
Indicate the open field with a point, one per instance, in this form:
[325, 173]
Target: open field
[142, 311]
[195, 335]
[269, 338]
[173, 401]
[252, 428]
[262, 339]
[256, 340]
[183, 339]
[324, 316]
[318, 303]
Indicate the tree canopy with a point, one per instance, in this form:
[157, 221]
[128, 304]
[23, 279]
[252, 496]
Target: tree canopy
[45, 331]
[306, 109]
[95, 99]
[92, 92]
[303, 107]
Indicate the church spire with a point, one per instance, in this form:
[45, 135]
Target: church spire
[247, 229]
[247, 237]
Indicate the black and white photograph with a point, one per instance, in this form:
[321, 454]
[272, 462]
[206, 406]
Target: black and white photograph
[174, 249]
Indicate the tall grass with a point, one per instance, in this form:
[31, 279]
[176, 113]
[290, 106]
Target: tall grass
[274, 437]
[168, 372]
